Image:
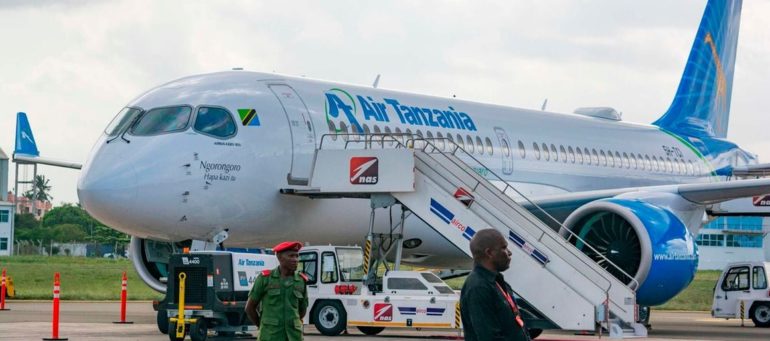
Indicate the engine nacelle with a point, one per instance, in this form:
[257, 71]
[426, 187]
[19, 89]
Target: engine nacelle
[648, 242]
[150, 260]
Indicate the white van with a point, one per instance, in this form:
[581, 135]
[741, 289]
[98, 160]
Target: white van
[744, 282]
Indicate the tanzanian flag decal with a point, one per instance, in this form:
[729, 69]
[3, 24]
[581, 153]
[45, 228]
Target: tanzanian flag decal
[249, 117]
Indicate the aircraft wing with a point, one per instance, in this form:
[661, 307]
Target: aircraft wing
[561, 205]
[762, 169]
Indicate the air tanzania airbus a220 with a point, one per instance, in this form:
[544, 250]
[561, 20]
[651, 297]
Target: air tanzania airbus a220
[198, 155]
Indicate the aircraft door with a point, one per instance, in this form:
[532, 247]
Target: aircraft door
[506, 150]
[302, 133]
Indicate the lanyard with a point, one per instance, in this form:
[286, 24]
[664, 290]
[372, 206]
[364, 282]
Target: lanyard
[512, 304]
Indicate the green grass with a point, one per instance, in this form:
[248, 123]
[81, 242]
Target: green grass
[81, 278]
[697, 297]
[99, 279]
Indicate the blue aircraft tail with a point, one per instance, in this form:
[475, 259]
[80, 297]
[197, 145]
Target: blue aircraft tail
[701, 107]
[25, 142]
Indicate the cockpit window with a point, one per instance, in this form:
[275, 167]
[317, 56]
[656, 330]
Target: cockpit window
[121, 120]
[214, 121]
[162, 120]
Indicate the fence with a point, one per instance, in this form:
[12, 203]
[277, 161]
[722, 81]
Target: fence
[74, 249]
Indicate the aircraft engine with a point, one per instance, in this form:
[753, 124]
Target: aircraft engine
[648, 242]
[150, 260]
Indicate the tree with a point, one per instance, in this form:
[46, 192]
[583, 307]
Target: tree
[24, 221]
[40, 189]
[67, 233]
[69, 214]
[75, 215]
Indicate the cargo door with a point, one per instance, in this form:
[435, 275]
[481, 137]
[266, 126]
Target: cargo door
[302, 133]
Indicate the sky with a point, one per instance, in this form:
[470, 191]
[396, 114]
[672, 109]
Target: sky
[72, 65]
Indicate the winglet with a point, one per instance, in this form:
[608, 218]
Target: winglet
[25, 141]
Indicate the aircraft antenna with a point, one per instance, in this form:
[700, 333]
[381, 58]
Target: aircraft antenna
[376, 81]
[545, 103]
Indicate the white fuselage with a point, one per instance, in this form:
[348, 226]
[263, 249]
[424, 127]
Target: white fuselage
[188, 185]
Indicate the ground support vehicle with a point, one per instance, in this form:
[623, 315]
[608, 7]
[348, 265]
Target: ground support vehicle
[217, 285]
[742, 292]
[342, 296]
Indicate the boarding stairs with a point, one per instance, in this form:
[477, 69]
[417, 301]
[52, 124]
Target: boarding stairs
[439, 183]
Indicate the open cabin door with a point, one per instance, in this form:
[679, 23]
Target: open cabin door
[302, 133]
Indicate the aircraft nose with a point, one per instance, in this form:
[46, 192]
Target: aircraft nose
[107, 190]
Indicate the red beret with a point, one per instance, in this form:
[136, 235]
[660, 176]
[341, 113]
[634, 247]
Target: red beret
[285, 246]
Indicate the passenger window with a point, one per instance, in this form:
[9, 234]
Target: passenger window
[626, 161]
[595, 156]
[328, 268]
[214, 121]
[571, 154]
[610, 159]
[479, 146]
[332, 130]
[736, 279]
[690, 168]
[377, 129]
[399, 136]
[669, 165]
[618, 160]
[522, 150]
[308, 264]
[546, 152]
[366, 130]
[389, 137]
[563, 153]
[344, 131]
[440, 141]
[579, 155]
[460, 141]
[490, 149]
[536, 149]
[419, 133]
[759, 281]
[162, 120]
[554, 153]
[506, 148]
[602, 158]
[469, 144]
[121, 120]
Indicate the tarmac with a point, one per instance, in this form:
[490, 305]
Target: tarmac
[31, 320]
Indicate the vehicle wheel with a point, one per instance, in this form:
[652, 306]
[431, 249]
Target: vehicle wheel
[162, 321]
[199, 330]
[172, 332]
[760, 315]
[330, 318]
[534, 332]
[371, 330]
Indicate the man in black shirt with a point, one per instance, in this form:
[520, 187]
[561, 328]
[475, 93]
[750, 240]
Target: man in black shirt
[488, 309]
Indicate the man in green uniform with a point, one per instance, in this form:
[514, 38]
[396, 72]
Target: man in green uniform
[282, 293]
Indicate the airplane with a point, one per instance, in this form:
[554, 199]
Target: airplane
[205, 156]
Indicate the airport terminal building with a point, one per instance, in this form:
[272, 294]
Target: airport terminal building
[6, 210]
[732, 239]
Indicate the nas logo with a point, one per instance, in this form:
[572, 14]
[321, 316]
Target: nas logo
[364, 170]
[763, 200]
[383, 312]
